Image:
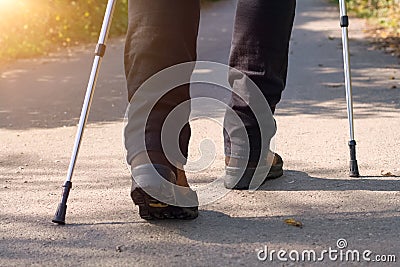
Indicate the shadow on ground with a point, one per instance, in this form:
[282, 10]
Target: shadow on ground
[318, 88]
[49, 92]
[214, 234]
[108, 225]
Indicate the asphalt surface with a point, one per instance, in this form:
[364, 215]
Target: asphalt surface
[40, 102]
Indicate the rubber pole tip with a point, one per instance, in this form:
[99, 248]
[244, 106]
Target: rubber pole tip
[354, 169]
[59, 218]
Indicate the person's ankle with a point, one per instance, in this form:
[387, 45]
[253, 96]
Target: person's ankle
[150, 157]
[181, 178]
[269, 158]
[239, 163]
[155, 157]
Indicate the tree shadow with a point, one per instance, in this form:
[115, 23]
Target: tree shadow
[107, 231]
[294, 180]
[220, 228]
[316, 80]
[37, 95]
[48, 92]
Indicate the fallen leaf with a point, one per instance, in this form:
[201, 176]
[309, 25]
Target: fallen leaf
[387, 174]
[333, 85]
[294, 222]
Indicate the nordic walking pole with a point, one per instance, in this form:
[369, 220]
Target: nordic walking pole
[344, 23]
[59, 217]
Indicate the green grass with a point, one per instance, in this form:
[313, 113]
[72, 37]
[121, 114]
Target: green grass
[384, 14]
[30, 28]
[36, 27]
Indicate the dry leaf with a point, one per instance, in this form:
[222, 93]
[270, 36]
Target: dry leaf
[387, 174]
[333, 85]
[294, 222]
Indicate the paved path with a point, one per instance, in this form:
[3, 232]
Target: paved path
[40, 102]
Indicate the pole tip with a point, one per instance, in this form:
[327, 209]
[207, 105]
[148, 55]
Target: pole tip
[354, 169]
[59, 217]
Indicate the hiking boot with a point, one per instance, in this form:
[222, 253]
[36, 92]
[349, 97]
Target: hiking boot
[154, 192]
[239, 173]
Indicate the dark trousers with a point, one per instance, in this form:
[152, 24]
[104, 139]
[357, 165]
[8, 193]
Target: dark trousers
[163, 33]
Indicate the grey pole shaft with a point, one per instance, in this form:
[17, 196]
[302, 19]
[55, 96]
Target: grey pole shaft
[105, 29]
[344, 23]
[347, 71]
[59, 217]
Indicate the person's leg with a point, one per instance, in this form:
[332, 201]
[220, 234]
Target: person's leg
[259, 50]
[161, 34]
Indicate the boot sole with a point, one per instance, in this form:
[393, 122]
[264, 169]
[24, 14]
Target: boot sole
[152, 209]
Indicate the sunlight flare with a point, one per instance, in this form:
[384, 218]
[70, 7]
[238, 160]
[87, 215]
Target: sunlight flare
[6, 3]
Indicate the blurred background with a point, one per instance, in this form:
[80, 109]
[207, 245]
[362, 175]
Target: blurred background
[36, 27]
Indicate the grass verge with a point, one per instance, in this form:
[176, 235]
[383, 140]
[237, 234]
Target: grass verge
[31, 28]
